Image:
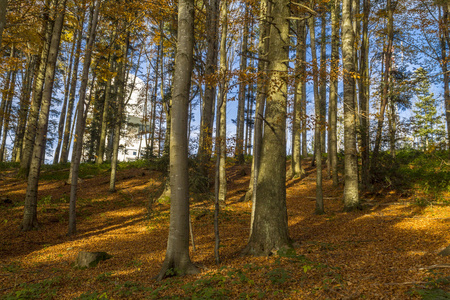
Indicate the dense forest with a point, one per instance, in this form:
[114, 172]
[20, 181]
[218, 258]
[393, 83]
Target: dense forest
[342, 102]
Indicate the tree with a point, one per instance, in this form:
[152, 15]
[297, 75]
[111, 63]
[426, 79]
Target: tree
[177, 255]
[269, 228]
[30, 212]
[3, 5]
[428, 125]
[351, 197]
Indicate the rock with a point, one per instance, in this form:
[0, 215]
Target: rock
[5, 201]
[90, 259]
[445, 252]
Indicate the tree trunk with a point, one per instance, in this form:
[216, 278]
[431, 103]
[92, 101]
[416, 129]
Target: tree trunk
[205, 139]
[445, 49]
[270, 231]
[30, 131]
[81, 120]
[120, 81]
[73, 85]
[323, 81]
[240, 120]
[62, 117]
[106, 112]
[177, 255]
[364, 88]
[30, 213]
[386, 89]
[334, 74]
[318, 118]
[351, 197]
[23, 107]
[300, 77]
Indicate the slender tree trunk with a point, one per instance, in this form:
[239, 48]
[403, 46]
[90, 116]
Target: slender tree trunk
[318, 123]
[73, 85]
[120, 81]
[105, 114]
[386, 89]
[445, 49]
[296, 166]
[62, 117]
[30, 213]
[351, 197]
[323, 81]
[270, 231]
[261, 92]
[240, 120]
[177, 254]
[23, 107]
[364, 95]
[7, 110]
[81, 120]
[6, 89]
[205, 139]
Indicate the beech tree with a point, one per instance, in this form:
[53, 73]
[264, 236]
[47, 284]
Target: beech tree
[177, 255]
[269, 228]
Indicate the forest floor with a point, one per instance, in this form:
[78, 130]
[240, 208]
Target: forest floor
[387, 250]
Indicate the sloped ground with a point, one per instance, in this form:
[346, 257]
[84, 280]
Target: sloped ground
[386, 251]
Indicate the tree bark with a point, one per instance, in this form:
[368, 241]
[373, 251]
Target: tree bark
[318, 119]
[351, 197]
[177, 255]
[334, 75]
[270, 231]
[81, 120]
[3, 6]
[30, 213]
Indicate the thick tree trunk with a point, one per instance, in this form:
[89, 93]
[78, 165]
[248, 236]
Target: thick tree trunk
[177, 255]
[318, 120]
[212, 27]
[81, 120]
[270, 231]
[30, 131]
[30, 213]
[351, 196]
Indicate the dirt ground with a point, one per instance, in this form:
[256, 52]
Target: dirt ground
[388, 250]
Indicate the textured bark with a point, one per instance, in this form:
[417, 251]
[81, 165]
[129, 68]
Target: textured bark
[30, 213]
[334, 74]
[351, 197]
[240, 122]
[270, 231]
[300, 78]
[323, 81]
[221, 123]
[177, 255]
[364, 88]
[81, 120]
[318, 118]
[38, 86]
[212, 27]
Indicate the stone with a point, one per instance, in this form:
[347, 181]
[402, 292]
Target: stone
[445, 252]
[90, 259]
